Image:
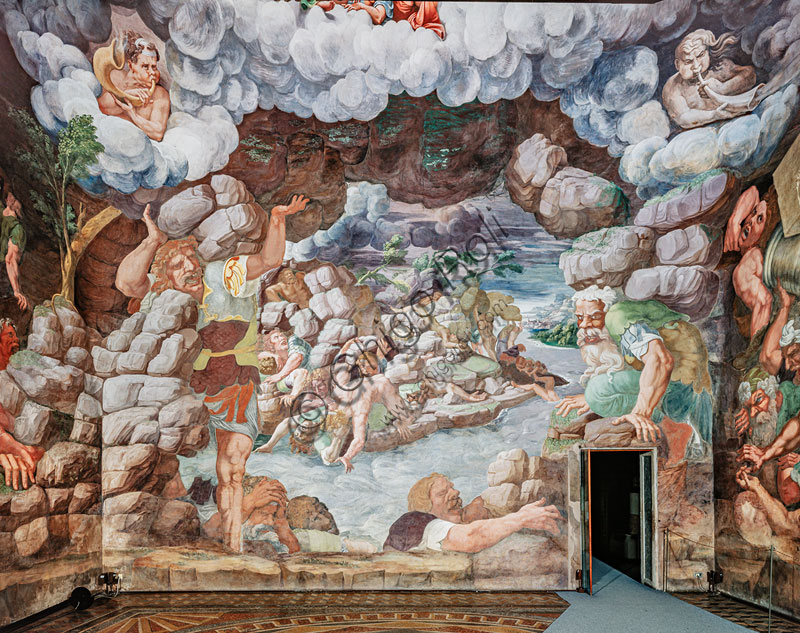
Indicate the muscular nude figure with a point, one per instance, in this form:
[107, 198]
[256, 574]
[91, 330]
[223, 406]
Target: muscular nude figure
[745, 228]
[150, 117]
[356, 404]
[698, 94]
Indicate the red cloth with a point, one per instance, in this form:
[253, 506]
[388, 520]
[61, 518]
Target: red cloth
[419, 14]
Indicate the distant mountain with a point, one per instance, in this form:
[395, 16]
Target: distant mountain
[547, 317]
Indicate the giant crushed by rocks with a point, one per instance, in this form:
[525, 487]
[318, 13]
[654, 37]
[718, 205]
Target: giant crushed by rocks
[341, 310]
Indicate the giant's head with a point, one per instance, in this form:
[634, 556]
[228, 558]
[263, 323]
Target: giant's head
[142, 57]
[276, 341]
[177, 266]
[790, 346]
[598, 350]
[757, 395]
[13, 204]
[693, 54]
[747, 222]
[9, 343]
[436, 495]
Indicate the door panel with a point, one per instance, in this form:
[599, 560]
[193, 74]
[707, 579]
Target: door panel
[646, 479]
[586, 521]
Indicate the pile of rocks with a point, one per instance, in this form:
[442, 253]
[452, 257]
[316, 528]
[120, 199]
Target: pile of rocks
[670, 252]
[149, 416]
[222, 216]
[689, 221]
[539, 558]
[49, 391]
[566, 201]
[607, 257]
[515, 479]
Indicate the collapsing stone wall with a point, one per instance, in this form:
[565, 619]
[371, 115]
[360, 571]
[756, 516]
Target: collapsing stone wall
[149, 416]
[50, 392]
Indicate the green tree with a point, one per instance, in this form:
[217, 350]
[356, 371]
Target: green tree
[56, 166]
[393, 255]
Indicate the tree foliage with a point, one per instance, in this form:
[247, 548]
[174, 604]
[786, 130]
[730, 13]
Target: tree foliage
[393, 255]
[56, 164]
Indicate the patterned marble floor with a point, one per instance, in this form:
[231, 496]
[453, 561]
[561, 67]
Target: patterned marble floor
[753, 618]
[345, 612]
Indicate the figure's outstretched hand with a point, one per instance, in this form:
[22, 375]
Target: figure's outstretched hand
[742, 421]
[570, 403]
[348, 466]
[537, 516]
[790, 460]
[154, 234]
[298, 203]
[646, 430]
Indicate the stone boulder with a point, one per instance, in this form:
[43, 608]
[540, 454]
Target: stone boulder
[58, 500]
[184, 412]
[532, 164]
[603, 432]
[31, 503]
[309, 513]
[705, 201]
[277, 314]
[176, 519]
[305, 324]
[538, 560]
[122, 392]
[606, 257]
[234, 230]
[67, 463]
[158, 391]
[229, 191]
[12, 398]
[323, 354]
[46, 380]
[342, 306]
[575, 202]
[184, 211]
[692, 246]
[36, 425]
[324, 278]
[84, 497]
[32, 537]
[126, 468]
[509, 467]
[118, 427]
[104, 361]
[501, 500]
[337, 332]
[79, 357]
[691, 290]
[129, 512]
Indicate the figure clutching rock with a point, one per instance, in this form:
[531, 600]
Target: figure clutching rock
[226, 371]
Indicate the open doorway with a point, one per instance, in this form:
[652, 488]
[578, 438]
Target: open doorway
[616, 516]
[618, 510]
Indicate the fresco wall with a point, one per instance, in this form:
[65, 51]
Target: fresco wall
[327, 295]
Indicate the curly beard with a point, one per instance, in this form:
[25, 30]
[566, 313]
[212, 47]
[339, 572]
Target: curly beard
[601, 357]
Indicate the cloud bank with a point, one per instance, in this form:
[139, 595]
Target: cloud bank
[227, 58]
